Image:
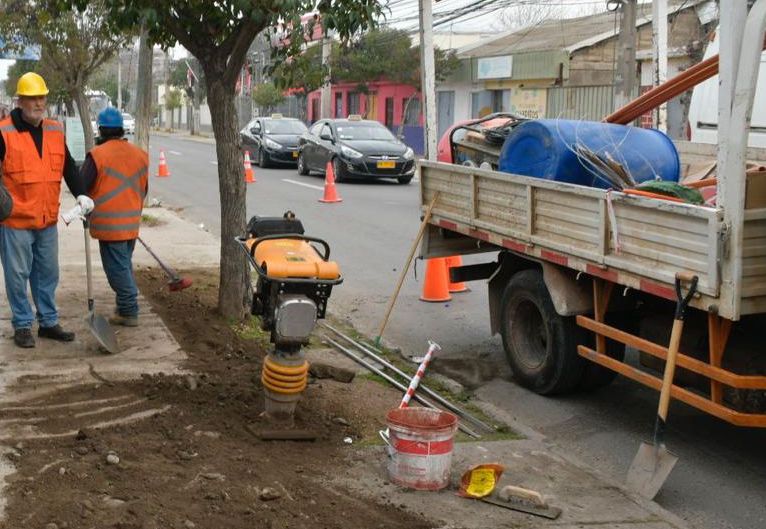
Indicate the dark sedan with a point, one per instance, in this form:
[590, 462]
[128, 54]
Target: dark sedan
[273, 140]
[357, 148]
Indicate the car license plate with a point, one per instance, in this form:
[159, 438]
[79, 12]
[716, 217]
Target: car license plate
[295, 154]
[386, 165]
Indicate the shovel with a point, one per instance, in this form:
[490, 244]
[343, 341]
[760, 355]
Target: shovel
[653, 462]
[99, 326]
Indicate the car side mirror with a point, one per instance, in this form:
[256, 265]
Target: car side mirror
[400, 137]
[326, 137]
[254, 130]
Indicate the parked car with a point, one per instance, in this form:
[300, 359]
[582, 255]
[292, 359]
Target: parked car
[357, 148]
[128, 123]
[273, 140]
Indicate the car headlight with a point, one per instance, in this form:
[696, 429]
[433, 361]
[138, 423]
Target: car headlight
[409, 154]
[349, 152]
[271, 144]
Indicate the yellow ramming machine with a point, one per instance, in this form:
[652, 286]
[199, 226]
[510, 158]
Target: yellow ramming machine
[294, 281]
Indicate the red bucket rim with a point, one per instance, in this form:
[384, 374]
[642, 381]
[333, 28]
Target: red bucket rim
[421, 418]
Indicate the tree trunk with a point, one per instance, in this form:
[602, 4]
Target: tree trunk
[231, 183]
[70, 108]
[84, 109]
[144, 92]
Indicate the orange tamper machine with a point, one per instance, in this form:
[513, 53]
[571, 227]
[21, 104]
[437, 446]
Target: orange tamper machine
[294, 280]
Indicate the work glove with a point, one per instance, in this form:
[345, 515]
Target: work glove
[85, 203]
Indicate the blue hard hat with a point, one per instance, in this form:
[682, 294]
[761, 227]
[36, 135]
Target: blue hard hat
[110, 117]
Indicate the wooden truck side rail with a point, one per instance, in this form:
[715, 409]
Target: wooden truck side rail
[634, 241]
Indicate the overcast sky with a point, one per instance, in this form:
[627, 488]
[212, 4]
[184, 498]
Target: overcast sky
[471, 15]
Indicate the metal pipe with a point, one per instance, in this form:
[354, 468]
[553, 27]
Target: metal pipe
[438, 398]
[394, 382]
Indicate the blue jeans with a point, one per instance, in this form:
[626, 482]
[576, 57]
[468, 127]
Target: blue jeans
[117, 258]
[31, 257]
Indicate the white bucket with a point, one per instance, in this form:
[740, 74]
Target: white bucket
[421, 442]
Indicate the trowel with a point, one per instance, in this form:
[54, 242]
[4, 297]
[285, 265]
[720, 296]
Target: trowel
[523, 500]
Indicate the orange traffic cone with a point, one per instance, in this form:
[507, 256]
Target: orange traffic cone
[249, 175]
[162, 170]
[330, 193]
[436, 284]
[452, 262]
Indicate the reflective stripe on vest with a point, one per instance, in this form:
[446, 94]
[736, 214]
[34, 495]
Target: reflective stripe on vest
[33, 179]
[118, 193]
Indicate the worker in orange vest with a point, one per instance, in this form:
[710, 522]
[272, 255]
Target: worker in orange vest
[34, 160]
[116, 175]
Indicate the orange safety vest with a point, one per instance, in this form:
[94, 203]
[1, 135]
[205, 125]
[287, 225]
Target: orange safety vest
[32, 180]
[119, 190]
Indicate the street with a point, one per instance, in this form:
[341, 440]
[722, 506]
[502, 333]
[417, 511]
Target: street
[720, 480]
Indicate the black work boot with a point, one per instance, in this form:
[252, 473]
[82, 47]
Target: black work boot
[55, 333]
[23, 338]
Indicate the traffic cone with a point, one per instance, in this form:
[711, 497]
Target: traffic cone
[452, 262]
[330, 193]
[249, 175]
[436, 284]
[162, 170]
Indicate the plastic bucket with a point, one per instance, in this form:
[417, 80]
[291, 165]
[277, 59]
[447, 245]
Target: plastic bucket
[544, 148]
[421, 442]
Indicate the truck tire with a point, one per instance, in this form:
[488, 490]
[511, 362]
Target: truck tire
[541, 345]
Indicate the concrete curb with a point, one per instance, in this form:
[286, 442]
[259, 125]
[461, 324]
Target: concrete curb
[183, 136]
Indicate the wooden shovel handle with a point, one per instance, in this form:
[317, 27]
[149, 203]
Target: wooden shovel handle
[670, 368]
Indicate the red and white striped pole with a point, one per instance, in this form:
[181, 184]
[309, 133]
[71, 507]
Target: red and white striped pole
[432, 348]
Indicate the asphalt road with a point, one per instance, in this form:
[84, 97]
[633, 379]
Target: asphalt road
[720, 480]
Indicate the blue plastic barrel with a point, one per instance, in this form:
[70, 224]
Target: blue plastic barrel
[545, 148]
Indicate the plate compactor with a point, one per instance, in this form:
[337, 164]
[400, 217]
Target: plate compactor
[294, 281]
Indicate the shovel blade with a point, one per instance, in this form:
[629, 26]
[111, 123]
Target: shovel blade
[649, 470]
[103, 333]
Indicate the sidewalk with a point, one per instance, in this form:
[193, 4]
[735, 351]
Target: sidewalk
[184, 135]
[586, 498]
[29, 373]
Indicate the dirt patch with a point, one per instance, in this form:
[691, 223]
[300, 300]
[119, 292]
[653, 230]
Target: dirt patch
[192, 459]
[150, 221]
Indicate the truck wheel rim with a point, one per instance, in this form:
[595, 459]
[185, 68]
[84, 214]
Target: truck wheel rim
[529, 335]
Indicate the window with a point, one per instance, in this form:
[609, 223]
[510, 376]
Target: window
[481, 104]
[257, 126]
[314, 109]
[501, 100]
[339, 104]
[364, 131]
[316, 127]
[412, 112]
[352, 100]
[389, 112]
[326, 131]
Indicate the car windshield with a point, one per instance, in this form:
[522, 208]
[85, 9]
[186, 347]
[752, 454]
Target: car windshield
[363, 131]
[284, 127]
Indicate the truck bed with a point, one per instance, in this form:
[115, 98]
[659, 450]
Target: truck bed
[570, 225]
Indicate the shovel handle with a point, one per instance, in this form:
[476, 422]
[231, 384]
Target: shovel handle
[88, 270]
[670, 362]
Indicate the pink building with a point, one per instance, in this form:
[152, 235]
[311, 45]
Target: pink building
[384, 102]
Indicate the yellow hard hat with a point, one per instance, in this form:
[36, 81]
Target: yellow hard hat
[31, 84]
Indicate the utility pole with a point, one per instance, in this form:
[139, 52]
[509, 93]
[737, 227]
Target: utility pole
[625, 81]
[660, 55]
[325, 102]
[119, 83]
[428, 77]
